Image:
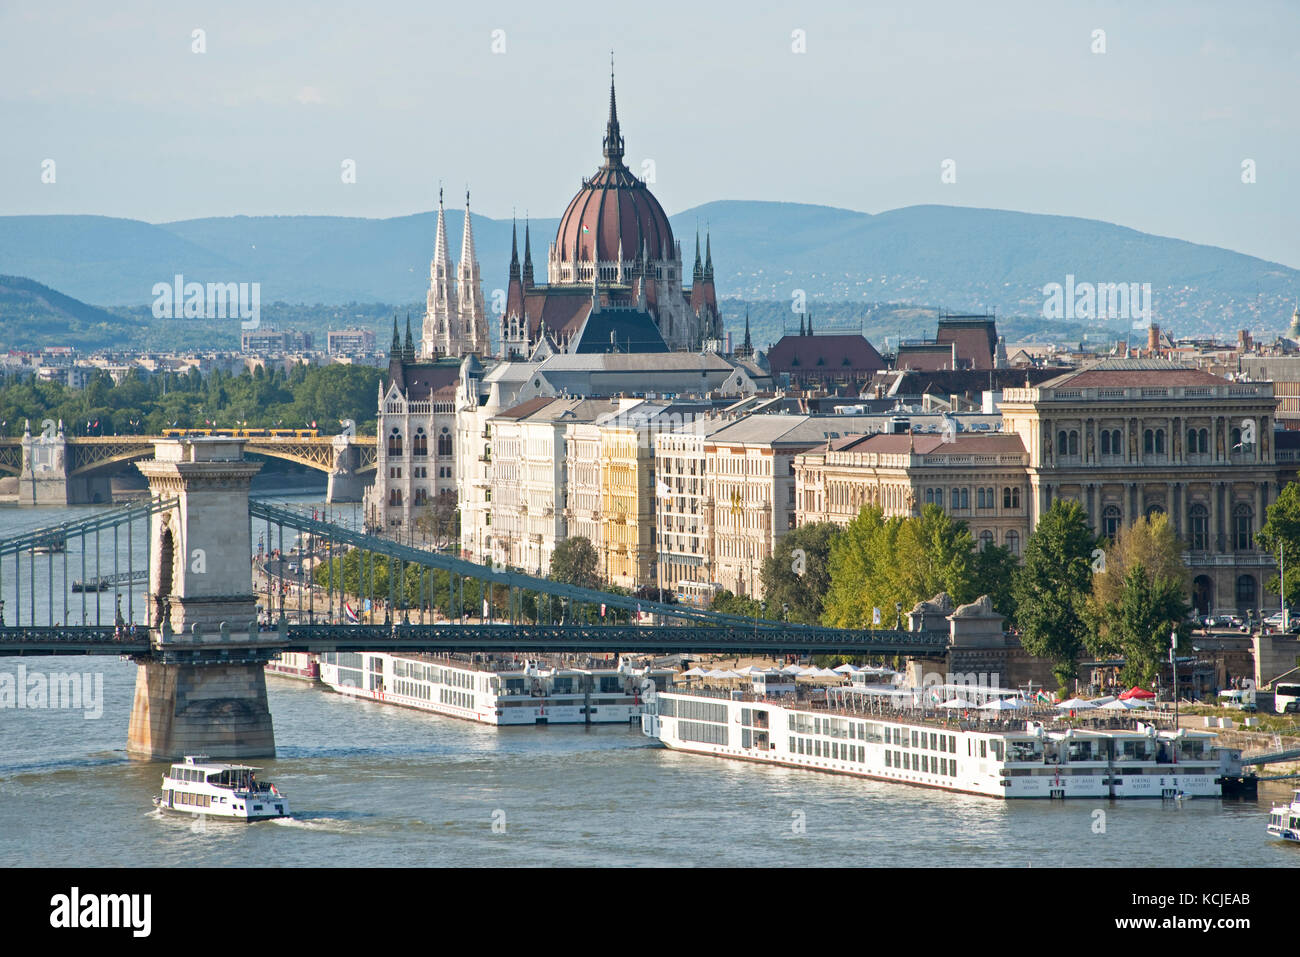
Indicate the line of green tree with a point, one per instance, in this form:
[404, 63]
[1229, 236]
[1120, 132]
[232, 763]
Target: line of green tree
[145, 405]
[1074, 594]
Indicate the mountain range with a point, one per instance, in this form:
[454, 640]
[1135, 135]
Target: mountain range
[958, 258]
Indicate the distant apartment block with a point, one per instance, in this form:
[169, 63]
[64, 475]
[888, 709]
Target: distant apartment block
[349, 342]
[271, 342]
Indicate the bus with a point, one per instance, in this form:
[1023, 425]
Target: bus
[1286, 698]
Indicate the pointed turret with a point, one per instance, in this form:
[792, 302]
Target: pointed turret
[747, 350]
[698, 272]
[801, 332]
[528, 255]
[810, 332]
[409, 351]
[396, 351]
[613, 143]
[514, 250]
[440, 307]
[708, 256]
[471, 311]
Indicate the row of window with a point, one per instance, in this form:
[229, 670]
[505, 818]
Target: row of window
[1153, 441]
[419, 443]
[945, 767]
[458, 699]
[829, 749]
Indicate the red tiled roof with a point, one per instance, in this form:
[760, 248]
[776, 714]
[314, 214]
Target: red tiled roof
[802, 355]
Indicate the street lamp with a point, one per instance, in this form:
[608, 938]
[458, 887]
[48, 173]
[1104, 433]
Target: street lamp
[1173, 670]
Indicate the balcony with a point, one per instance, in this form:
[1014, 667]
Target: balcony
[1230, 560]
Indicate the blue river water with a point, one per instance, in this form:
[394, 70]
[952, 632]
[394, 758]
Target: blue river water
[375, 785]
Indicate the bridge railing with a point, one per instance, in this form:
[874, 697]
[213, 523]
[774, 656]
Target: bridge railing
[39, 568]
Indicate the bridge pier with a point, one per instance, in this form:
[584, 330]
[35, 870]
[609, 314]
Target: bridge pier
[201, 583]
[215, 709]
[345, 481]
[43, 479]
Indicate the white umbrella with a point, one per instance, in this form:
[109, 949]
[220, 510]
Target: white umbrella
[1076, 704]
[1138, 703]
[1001, 704]
[791, 670]
[694, 673]
[1102, 702]
[1117, 706]
[827, 673]
[846, 669]
[749, 670]
[955, 704]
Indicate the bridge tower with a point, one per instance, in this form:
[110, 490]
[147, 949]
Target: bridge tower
[345, 481]
[203, 691]
[43, 479]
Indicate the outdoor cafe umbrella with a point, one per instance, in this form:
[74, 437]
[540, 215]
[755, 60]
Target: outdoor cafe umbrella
[845, 669]
[1119, 705]
[956, 704]
[694, 673]
[1076, 704]
[1001, 704]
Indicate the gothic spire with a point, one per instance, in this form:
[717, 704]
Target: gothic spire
[528, 253]
[409, 352]
[514, 250]
[749, 344]
[613, 142]
[810, 332]
[396, 351]
[698, 272]
[801, 332]
[470, 334]
[708, 255]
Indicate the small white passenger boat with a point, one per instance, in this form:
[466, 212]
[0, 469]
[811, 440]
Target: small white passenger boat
[1284, 819]
[197, 786]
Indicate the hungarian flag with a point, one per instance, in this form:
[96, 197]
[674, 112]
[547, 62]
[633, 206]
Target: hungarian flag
[352, 615]
[585, 229]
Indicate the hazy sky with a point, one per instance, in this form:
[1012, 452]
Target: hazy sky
[1151, 134]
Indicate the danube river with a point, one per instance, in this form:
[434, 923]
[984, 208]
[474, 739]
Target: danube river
[377, 785]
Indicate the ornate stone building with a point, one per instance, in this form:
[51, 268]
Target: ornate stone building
[614, 251]
[1129, 437]
[455, 318]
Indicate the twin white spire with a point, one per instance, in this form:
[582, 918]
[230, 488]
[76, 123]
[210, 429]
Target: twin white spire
[455, 323]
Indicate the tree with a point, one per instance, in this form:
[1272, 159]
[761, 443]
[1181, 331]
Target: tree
[796, 575]
[994, 571]
[1138, 624]
[729, 604]
[1150, 542]
[1281, 533]
[575, 562]
[885, 563]
[1052, 587]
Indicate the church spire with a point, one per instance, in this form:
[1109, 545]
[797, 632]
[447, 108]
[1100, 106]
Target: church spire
[749, 344]
[698, 272]
[528, 254]
[440, 310]
[409, 352]
[613, 142]
[471, 332]
[396, 351]
[514, 249]
[801, 332]
[708, 254]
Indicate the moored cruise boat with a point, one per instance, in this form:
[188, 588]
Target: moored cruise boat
[498, 691]
[294, 664]
[1284, 819]
[1023, 759]
[197, 786]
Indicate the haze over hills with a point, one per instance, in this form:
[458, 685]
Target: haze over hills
[942, 256]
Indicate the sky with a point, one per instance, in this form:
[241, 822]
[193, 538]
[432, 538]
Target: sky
[862, 106]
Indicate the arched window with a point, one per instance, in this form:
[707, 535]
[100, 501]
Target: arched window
[1243, 527]
[929, 496]
[419, 443]
[979, 497]
[1105, 441]
[444, 444]
[1236, 441]
[986, 539]
[1013, 542]
[1116, 442]
[1205, 441]
[1074, 442]
[1198, 526]
[1111, 516]
[395, 443]
[1160, 441]
[1062, 442]
[1010, 497]
[965, 498]
[1246, 590]
[1148, 442]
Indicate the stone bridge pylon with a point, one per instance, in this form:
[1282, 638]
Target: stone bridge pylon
[201, 692]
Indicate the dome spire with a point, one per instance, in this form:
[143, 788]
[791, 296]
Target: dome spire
[613, 142]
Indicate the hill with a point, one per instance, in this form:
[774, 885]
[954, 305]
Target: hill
[962, 259]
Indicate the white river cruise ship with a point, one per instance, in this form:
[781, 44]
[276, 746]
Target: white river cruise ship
[500, 691]
[1011, 758]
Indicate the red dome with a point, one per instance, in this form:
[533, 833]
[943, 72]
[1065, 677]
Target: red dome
[612, 207]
